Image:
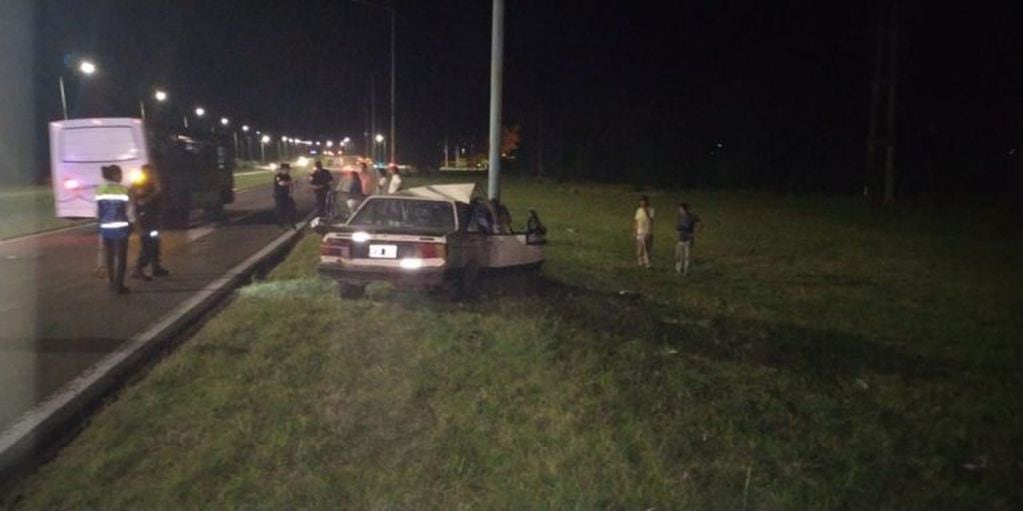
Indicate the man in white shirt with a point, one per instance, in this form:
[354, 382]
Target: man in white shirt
[643, 229]
[394, 180]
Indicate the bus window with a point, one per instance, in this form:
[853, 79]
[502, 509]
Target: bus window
[99, 144]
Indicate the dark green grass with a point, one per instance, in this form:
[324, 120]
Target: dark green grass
[29, 209]
[833, 356]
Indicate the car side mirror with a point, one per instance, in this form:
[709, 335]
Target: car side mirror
[320, 225]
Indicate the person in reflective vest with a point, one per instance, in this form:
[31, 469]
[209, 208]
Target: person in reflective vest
[145, 196]
[114, 227]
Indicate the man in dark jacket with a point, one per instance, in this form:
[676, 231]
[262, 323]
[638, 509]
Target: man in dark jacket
[321, 180]
[284, 205]
[145, 195]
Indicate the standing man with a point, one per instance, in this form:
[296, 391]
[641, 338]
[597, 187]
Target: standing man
[145, 194]
[321, 179]
[394, 180]
[687, 226]
[643, 230]
[114, 227]
[282, 195]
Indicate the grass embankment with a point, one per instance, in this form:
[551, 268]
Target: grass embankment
[28, 209]
[823, 355]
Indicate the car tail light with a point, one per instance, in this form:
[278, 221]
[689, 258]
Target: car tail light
[335, 247]
[431, 250]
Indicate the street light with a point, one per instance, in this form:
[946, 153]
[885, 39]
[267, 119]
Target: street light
[245, 128]
[224, 121]
[86, 68]
[262, 147]
[381, 140]
[159, 95]
[390, 11]
[200, 111]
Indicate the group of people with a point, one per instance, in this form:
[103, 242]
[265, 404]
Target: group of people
[321, 181]
[687, 225]
[122, 209]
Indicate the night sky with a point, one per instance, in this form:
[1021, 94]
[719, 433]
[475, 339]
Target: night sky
[780, 85]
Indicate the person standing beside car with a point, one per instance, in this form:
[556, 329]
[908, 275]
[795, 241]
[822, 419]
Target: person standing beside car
[643, 231]
[321, 179]
[114, 226]
[393, 180]
[283, 202]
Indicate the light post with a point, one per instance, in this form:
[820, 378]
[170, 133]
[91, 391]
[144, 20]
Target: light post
[85, 67]
[262, 148]
[390, 11]
[245, 138]
[159, 95]
[381, 140]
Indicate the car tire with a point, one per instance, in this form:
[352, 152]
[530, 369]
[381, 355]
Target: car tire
[350, 291]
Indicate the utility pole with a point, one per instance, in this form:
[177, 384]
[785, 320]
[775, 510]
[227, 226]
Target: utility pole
[445, 151]
[539, 142]
[869, 179]
[893, 57]
[883, 103]
[373, 114]
[496, 78]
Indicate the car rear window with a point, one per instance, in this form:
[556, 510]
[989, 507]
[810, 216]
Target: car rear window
[410, 213]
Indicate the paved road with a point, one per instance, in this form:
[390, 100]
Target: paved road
[56, 319]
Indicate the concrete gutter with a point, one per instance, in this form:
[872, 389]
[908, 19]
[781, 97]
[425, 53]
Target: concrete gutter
[34, 434]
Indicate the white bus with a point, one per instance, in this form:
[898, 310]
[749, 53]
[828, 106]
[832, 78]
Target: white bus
[194, 169]
[79, 147]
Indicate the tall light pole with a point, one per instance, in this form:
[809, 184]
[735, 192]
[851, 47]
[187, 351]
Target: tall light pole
[248, 143]
[85, 67]
[390, 11]
[262, 148]
[496, 77]
[380, 140]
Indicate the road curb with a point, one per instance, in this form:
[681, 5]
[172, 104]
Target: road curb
[31, 436]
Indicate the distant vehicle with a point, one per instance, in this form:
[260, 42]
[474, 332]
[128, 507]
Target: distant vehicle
[195, 170]
[431, 238]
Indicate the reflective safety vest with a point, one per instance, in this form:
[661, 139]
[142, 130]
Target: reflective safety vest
[112, 211]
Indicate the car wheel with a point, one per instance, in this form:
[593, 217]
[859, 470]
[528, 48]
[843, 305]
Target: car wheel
[351, 291]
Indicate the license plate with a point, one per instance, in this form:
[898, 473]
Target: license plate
[383, 251]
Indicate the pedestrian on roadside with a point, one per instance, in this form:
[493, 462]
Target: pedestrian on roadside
[145, 195]
[393, 180]
[643, 231]
[321, 179]
[114, 226]
[355, 193]
[284, 204]
[688, 225]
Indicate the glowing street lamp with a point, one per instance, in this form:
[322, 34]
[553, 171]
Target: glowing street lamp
[262, 147]
[224, 121]
[160, 96]
[381, 140]
[85, 67]
[245, 128]
[200, 111]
